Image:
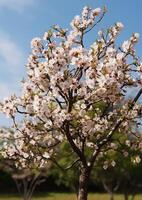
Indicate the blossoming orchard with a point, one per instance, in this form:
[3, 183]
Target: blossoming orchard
[77, 95]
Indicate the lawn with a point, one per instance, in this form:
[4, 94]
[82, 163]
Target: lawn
[64, 196]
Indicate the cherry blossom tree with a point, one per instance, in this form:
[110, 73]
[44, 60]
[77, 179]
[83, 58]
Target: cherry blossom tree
[66, 83]
[26, 180]
[27, 168]
[119, 170]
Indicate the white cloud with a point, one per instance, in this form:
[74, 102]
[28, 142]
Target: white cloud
[17, 5]
[10, 54]
[5, 90]
[11, 65]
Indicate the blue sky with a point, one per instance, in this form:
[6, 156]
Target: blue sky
[21, 20]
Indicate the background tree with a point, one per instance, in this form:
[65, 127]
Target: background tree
[28, 171]
[118, 171]
[26, 180]
[66, 173]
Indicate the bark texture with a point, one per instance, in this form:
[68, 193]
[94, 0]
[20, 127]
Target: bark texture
[83, 184]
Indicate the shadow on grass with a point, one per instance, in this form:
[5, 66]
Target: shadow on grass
[37, 195]
[50, 194]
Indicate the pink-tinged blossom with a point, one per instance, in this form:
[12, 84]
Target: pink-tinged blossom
[126, 46]
[36, 43]
[96, 11]
[119, 25]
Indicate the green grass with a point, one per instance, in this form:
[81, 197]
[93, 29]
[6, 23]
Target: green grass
[65, 196]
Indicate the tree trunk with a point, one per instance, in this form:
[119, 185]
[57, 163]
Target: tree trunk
[111, 196]
[83, 184]
[126, 196]
[108, 189]
[133, 196]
